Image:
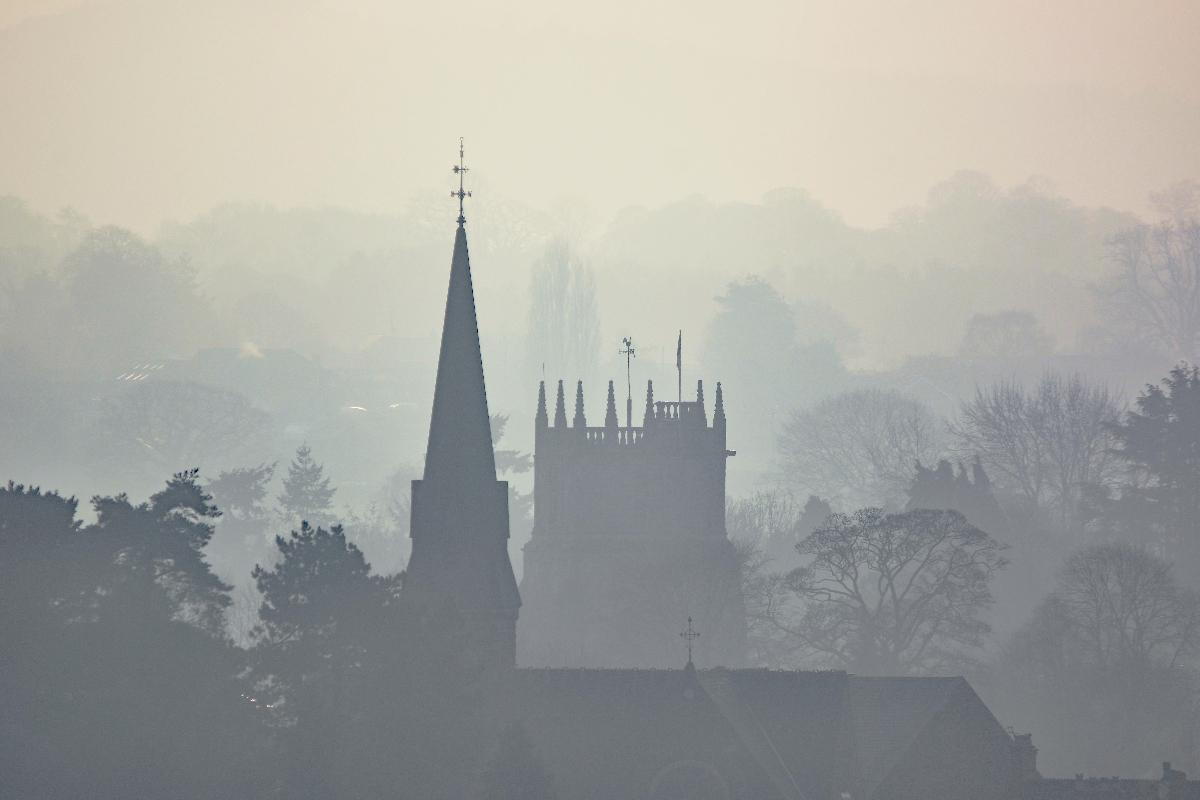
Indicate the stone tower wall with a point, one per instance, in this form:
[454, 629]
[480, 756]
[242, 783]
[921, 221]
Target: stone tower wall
[629, 540]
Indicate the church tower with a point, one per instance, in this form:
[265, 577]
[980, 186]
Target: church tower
[629, 537]
[459, 560]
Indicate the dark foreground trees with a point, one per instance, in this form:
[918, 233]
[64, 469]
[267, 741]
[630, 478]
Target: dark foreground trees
[329, 629]
[115, 677]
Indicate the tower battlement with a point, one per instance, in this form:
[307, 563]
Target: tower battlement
[662, 418]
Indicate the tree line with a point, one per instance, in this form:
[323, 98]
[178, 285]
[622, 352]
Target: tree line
[1069, 524]
[119, 677]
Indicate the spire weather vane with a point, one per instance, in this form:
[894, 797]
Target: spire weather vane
[460, 170]
[689, 635]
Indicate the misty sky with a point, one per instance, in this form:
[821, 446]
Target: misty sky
[134, 112]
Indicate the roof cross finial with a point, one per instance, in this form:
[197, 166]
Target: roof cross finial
[460, 170]
[689, 635]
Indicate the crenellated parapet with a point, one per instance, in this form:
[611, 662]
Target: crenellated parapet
[688, 419]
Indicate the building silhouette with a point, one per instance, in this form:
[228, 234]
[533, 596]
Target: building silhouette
[655, 733]
[459, 564]
[629, 537]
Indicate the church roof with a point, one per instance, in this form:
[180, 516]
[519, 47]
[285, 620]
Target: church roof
[460, 441]
[782, 734]
[887, 715]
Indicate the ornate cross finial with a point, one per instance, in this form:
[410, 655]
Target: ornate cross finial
[460, 170]
[689, 635]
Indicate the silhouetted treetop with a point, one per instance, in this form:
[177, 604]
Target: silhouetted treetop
[240, 492]
[307, 495]
[895, 593]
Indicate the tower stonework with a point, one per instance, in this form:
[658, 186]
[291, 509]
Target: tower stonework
[629, 538]
[459, 564]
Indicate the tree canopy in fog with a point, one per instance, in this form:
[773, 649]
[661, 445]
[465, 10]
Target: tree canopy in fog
[1101, 665]
[1045, 444]
[146, 428]
[1155, 293]
[563, 331]
[860, 447]
[1005, 335]
[894, 593]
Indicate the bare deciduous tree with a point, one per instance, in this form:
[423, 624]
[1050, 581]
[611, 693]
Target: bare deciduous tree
[1156, 291]
[1125, 608]
[894, 593]
[860, 447]
[1102, 666]
[1044, 445]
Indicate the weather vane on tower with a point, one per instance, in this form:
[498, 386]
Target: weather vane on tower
[629, 353]
[460, 170]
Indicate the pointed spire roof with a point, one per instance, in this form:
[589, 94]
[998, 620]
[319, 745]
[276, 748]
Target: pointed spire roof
[580, 421]
[719, 410]
[460, 437]
[610, 408]
[649, 403]
[540, 419]
[560, 408]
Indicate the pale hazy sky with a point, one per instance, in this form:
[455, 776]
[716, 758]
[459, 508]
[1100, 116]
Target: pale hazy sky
[136, 110]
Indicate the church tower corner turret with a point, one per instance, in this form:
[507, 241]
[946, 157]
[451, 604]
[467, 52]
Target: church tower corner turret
[540, 420]
[611, 423]
[579, 422]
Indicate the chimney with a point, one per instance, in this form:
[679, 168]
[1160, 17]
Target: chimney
[1025, 757]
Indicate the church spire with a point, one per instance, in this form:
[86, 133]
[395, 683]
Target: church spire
[459, 525]
[460, 438]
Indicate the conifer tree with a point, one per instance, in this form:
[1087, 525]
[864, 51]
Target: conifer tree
[307, 495]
